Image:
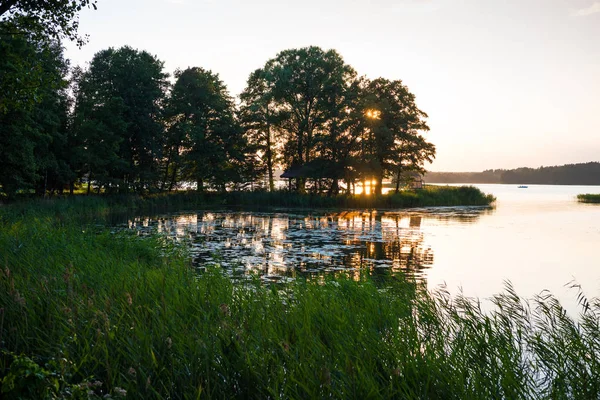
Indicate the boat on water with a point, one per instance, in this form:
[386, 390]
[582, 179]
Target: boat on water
[522, 187]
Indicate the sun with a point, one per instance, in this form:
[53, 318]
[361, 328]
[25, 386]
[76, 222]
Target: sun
[373, 114]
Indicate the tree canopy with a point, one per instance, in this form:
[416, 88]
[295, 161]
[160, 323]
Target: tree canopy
[54, 19]
[205, 142]
[569, 174]
[32, 132]
[120, 125]
[117, 119]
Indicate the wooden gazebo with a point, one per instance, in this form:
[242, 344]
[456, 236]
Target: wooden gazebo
[413, 179]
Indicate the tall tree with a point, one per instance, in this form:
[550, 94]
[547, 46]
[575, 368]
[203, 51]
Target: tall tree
[394, 123]
[301, 80]
[118, 118]
[413, 152]
[29, 129]
[54, 157]
[205, 143]
[336, 144]
[259, 120]
[55, 19]
[26, 27]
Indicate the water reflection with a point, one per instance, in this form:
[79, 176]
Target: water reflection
[280, 246]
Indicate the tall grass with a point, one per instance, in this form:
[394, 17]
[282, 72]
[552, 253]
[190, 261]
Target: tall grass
[93, 206]
[85, 313]
[588, 198]
[429, 196]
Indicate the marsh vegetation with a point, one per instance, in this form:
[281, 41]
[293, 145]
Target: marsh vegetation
[89, 312]
[589, 198]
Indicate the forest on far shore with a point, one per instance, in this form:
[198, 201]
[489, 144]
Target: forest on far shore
[569, 174]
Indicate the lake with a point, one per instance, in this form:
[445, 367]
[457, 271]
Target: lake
[538, 238]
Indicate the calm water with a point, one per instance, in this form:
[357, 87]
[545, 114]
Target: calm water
[538, 238]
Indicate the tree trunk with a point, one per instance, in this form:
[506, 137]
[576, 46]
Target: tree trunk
[379, 188]
[270, 160]
[164, 182]
[301, 185]
[398, 180]
[200, 187]
[335, 188]
[173, 177]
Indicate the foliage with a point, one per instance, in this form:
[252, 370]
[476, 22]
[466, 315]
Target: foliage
[205, 143]
[89, 208]
[329, 124]
[588, 198]
[130, 313]
[29, 28]
[26, 379]
[569, 174]
[46, 19]
[259, 120]
[117, 119]
[33, 134]
[302, 79]
[125, 131]
[392, 141]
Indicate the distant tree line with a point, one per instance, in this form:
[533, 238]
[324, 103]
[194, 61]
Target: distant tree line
[121, 125]
[569, 174]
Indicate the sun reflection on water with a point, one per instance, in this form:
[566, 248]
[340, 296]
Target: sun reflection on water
[281, 245]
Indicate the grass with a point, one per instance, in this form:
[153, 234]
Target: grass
[429, 196]
[86, 313]
[588, 198]
[92, 206]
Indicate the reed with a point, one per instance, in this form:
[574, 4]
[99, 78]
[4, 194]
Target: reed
[588, 198]
[86, 313]
[94, 206]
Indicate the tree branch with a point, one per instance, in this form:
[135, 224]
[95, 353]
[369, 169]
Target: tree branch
[6, 5]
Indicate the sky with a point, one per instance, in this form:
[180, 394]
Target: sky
[506, 83]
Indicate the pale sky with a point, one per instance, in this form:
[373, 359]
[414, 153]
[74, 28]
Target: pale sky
[506, 83]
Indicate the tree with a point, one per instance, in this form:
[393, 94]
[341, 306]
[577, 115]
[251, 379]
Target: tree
[26, 27]
[204, 143]
[300, 81]
[413, 152]
[29, 130]
[337, 144]
[54, 156]
[118, 118]
[55, 19]
[392, 135]
[259, 120]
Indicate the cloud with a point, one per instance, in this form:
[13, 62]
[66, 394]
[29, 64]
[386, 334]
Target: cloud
[584, 12]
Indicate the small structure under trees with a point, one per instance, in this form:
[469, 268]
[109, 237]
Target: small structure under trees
[413, 180]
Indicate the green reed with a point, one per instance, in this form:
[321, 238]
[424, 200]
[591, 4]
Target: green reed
[98, 205]
[588, 198]
[86, 313]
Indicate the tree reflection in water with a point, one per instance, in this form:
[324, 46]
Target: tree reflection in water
[280, 246]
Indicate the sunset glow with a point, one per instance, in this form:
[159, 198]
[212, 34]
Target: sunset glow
[497, 79]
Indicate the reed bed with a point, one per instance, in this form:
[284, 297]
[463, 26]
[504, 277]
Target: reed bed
[588, 198]
[428, 196]
[99, 205]
[86, 313]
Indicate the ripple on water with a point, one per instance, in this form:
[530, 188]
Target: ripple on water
[278, 246]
